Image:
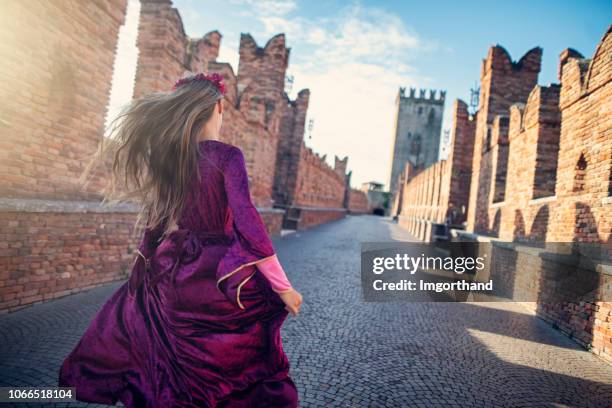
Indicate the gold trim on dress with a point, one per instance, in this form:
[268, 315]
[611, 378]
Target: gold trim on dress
[147, 261]
[140, 253]
[240, 287]
[240, 267]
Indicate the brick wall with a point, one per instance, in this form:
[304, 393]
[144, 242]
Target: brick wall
[460, 158]
[289, 146]
[59, 248]
[424, 199]
[310, 191]
[534, 141]
[53, 108]
[358, 202]
[430, 196]
[503, 82]
[53, 239]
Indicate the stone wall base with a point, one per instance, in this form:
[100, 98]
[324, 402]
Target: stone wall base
[422, 229]
[297, 217]
[50, 248]
[528, 272]
[273, 218]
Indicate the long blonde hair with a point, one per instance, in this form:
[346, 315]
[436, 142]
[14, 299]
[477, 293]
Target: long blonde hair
[153, 143]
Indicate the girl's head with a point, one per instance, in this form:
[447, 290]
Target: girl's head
[153, 147]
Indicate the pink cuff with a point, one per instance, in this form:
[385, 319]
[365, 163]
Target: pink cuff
[273, 271]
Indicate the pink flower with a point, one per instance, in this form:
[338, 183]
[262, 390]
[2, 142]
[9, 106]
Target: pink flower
[215, 78]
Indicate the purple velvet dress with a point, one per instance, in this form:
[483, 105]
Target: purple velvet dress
[196, 324]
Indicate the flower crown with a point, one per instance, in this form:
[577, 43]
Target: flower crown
[215, 78]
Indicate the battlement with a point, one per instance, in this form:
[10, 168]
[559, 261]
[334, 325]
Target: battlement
[542, 107]
[499, 59]
[580, 76]
[274, 49]
[340, 164]
[434, 96]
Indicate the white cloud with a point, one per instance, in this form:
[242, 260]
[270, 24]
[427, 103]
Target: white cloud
[228, 52]
[353, 63]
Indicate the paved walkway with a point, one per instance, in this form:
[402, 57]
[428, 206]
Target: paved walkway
[348, 353]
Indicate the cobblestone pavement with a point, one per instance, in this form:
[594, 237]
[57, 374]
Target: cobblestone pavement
[348, 353]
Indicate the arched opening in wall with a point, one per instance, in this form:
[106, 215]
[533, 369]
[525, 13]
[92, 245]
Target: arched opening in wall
[269, 109]
[431, 117]
[501, 168]
[414, 154]
[539, 226]
[580, 174]
[124, 67]
[487, 142]
[518, 233]
[495, 227]
[547, 156]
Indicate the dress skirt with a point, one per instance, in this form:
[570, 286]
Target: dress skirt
[169, 337]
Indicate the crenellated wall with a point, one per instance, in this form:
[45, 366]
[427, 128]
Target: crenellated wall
[584, 175]
[541, 172]
[166, 53]
[293, 119]
[503, 83]
[260, 118]
[532, 163]
[310, 192]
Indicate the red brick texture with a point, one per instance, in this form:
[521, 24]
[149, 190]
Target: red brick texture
[53, 108]
[44, 255]
[358, 202]
[502, 83]
[52, 118]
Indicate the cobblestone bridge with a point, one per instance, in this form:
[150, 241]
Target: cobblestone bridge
[348, 353]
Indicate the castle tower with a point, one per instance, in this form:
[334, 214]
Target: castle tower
[418, 125]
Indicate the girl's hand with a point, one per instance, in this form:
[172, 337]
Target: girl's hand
[292, 300]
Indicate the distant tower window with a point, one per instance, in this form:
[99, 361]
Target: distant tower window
[420, 110]
[432, 117]
[580, 174]
[415, 150]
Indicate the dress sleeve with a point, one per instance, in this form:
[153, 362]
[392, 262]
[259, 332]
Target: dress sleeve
[247, 221]
[274, 272]
[251, 243]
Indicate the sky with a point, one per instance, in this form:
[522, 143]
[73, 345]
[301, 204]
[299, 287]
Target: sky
[354, 56]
